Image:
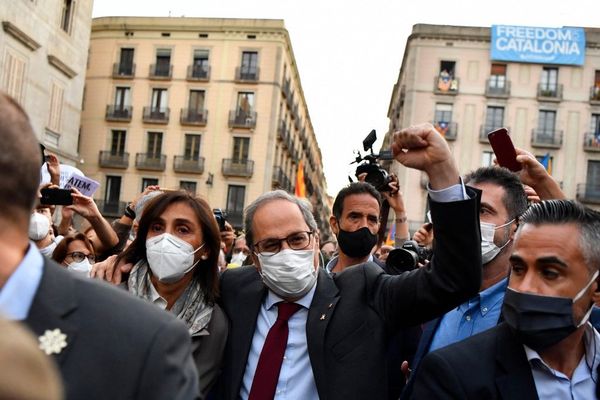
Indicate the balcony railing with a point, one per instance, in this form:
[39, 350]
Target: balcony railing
[190, 116]
[588, 193]
[111, 209]
[549, 92]
[161, 71]
[237, 167]
[198, 73]
[591, 141]
[241, 119]
[123, 71]
[546, 138]
[281, 180]
[445, 85]
[156, 115]
[595, 95]
[494, 89]
[244, 74]
[150, 162]
[192, 165]
[449, 130]
[109, 159]
[118, 113]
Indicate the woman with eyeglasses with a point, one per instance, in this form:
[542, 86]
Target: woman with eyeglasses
[76, 253]
[175, 254]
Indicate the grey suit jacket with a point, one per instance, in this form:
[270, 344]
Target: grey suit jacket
[118, 347]
[353, 315]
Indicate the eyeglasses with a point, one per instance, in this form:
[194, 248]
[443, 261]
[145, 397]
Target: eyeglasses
[78, 256]
[296, 241]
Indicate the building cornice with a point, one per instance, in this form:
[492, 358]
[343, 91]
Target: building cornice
[19, 35]
[61, 66]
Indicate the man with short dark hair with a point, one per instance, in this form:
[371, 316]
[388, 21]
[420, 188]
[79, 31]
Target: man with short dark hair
[107, 344]
[545, 348]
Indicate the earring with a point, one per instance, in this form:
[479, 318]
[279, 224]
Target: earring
[203, 256]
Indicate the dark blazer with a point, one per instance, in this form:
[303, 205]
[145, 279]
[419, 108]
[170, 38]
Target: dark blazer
[118, 347]
[353, 315]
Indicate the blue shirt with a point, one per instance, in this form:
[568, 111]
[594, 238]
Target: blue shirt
[553, 384]
[476, 315]
[17, 293]
[296, 379]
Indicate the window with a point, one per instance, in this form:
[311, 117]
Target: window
[122, 98]
[154, 148]
[188, 186]
[235, 204]
[595, 125]
[447, 81]
[148, 182]
[200, 66]
[67, 15]
[196, 102]
[549, 81]
[245, 106]
[159, 100]
[112, 192]
[249, 68]
[117, 143]
[241, 146]
[592, 180]
[596, 88]
[56, 106]
[192, 147]
[163, 62]
[546, 123]
[487, 159]
[13, 76]
[498, 76]
[443, 117]
[494, 118]
[126, 62]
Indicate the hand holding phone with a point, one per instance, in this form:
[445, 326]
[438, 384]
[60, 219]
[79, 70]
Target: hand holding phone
[504, 149]
[55, 196]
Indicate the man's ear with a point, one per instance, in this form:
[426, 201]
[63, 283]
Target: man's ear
[333, 222]
[513, 229]
[255, 260]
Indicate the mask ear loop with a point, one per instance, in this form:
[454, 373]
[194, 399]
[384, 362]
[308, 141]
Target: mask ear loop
[322, 259]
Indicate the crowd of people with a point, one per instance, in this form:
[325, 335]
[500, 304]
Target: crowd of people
[167, 302]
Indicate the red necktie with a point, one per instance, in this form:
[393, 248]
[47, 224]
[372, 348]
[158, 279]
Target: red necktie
[271, 356]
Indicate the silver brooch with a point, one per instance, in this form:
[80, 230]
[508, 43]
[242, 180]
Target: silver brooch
[53, 341]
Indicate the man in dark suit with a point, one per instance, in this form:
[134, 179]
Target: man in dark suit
[545, 348]
[107, 344]
[336, 338]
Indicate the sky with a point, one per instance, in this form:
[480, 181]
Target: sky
[349, 52]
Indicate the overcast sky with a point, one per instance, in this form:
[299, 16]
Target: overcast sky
[349, 52]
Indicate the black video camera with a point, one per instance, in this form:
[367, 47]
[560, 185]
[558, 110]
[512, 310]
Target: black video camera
[221, 217]
[376, 176]
[408, 257]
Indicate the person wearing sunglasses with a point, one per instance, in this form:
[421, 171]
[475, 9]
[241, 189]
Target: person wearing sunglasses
[76, 253]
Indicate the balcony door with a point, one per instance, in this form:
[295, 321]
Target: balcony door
[241, 147]
[235, 204]
[498, 76]
[249, 65]
[494, 118]
[546, 126]
[592, 186]
[154, 147]
[112, 192]
[192, 147]
[159, 103]
[122, 99]
[126, 62]
[117, 144]
[196, 102]
[549, 80]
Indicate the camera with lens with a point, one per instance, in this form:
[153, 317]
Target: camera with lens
[408, 257]
[376, 176]
[221, 217]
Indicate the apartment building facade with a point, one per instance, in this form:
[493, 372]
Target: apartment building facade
[213, 106]
[458, 79]
[43, 53]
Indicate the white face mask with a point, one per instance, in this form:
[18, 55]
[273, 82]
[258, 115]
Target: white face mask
[39, 226]
[82, 267]
[48, 250]
[289, 273]
[169, 257]
[489, 250]
[238, 258]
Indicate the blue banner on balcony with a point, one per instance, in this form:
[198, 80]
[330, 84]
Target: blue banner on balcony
[565, 46]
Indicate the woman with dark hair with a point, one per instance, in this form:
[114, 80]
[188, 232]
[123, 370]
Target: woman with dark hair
[76, 253]
[175, 255]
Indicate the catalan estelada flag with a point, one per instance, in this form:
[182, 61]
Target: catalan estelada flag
[300, 185]
[547, 163]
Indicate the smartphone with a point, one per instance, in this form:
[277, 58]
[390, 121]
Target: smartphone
[504, 149]
[53, 196]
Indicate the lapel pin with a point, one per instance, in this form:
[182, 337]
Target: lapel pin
[53, 341]
[322, 317]
[330, 305]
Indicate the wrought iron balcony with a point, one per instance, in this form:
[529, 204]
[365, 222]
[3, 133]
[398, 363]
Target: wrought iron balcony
[110, 159]
[546, 138]
[588, 193]
[281, 180]
[591, 141]
[595, 95]
[190, 116]
[449, 130]
[241, 119]
[445, 85]
[156, 115]
[237, 167]
[111, 209]
[192, 165]
[161, 71]
[495, 89]
[118, 113]
[123, 71]
[244, 74]
[198, 72]
[150, 162]
[549, 92]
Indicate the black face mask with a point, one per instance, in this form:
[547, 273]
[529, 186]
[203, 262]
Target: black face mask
[541, 321]
[357, 244]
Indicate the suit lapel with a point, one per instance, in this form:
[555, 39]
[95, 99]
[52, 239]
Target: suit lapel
[52, 304]
[514, 379]
[429, 329]
[320, 313]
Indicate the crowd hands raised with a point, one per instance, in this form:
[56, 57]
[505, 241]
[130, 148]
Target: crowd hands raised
[213, 306]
